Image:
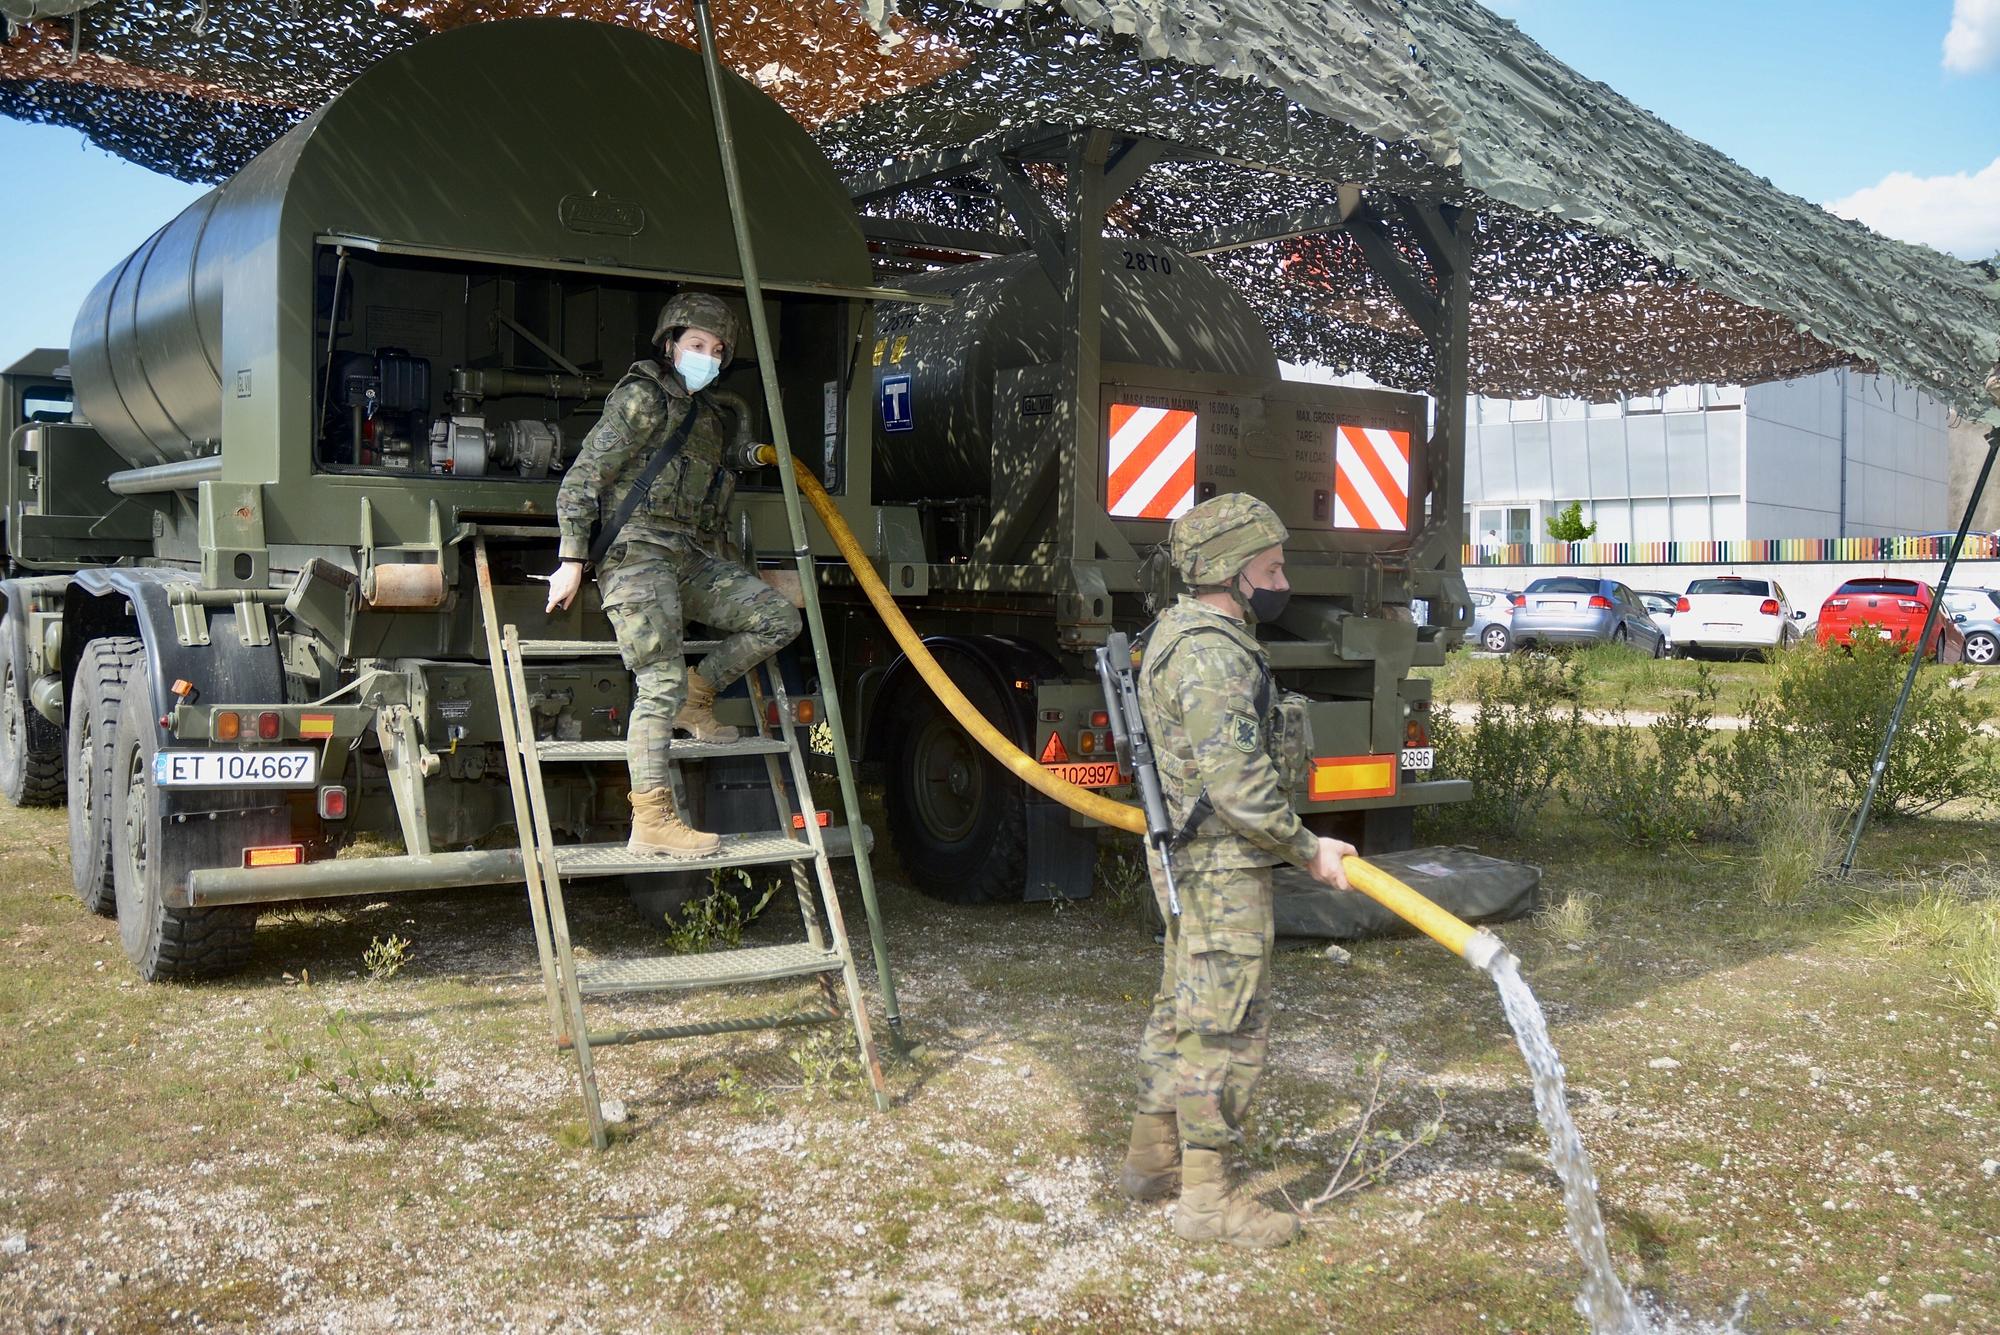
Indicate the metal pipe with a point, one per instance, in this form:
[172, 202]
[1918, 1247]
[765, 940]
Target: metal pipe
[476, 383]
[181, 475]
[1917, 652]
[209, 886]
[767, 362]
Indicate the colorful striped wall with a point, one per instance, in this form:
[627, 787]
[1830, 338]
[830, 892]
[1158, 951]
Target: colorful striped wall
[1756, 551]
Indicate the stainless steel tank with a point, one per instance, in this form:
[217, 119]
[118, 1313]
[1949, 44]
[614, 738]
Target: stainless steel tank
[1161, 309]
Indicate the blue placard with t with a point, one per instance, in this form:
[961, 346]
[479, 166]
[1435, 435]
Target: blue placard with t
[897, 411]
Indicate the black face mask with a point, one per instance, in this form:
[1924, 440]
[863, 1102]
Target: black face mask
[1264, 604]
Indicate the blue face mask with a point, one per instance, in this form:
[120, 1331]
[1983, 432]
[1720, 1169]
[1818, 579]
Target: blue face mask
[698, 369]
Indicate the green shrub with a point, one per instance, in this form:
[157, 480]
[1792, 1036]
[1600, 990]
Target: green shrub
[1524, 739]
[1653, 785]
[715, 921]
[1825, 716]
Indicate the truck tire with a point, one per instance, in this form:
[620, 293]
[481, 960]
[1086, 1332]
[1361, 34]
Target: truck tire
[148, 856]
[95, 694]
[31, 747]
[957, 818]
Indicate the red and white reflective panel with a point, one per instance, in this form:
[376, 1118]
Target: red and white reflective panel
[1371, 479]
[1149, 462]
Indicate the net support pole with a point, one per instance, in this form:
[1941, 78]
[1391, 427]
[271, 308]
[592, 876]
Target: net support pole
[767, 365]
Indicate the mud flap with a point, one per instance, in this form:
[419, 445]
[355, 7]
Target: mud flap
[1477, 888]
[1061, 861]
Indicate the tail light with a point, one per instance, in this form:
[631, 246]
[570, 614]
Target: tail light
[1681, 605]
[1599, 603]
[1910, 605]
[267, 725]
[803, 712]
[227, 727]
[1769, 607]
[1100, 719]
[333, 803]
[1416, 734]
[1086, 743]
[1836, 602]
[799, 819]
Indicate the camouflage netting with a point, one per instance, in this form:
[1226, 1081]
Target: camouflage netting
[1611, 252]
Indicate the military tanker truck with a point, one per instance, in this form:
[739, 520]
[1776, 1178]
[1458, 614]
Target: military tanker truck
[242, 625]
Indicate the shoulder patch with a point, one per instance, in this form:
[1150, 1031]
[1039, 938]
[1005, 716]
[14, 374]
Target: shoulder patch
[1242, 731]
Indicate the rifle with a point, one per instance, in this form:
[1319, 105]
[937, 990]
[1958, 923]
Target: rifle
[1135, 752]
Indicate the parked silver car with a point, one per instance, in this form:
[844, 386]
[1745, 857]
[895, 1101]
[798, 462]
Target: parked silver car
[1976, 612]
[1576, 609]
[1492, 620]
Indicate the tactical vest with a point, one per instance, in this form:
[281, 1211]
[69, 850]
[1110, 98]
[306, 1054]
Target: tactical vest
[692, 493]
[1283, 715]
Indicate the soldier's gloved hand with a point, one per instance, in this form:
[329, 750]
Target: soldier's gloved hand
[563, 584]
[1326, 863]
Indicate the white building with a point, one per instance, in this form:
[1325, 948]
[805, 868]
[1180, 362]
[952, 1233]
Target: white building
[1837, 454]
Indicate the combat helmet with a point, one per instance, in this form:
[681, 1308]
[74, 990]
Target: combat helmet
[1214, 541]
[698, 310]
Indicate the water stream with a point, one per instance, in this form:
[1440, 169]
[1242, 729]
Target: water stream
[1603, 1300]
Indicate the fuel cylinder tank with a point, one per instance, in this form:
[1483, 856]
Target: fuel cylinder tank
[1161, 309]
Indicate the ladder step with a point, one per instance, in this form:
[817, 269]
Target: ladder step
[705, 1028]
[596, 648]
[719, 969]
[738, 850]
[614, 749]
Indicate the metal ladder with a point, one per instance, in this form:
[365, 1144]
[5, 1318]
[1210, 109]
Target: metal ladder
[796, 840]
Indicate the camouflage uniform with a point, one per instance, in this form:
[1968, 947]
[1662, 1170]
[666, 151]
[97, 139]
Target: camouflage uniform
[1200, 683]
[660, 573]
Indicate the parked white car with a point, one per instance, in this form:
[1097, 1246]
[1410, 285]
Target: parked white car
[1492, 620]
[1733, 614]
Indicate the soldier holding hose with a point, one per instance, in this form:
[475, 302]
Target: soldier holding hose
[659, 571]
[1206, 695]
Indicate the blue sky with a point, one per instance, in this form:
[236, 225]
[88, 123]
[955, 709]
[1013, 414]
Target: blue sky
[1834, 100]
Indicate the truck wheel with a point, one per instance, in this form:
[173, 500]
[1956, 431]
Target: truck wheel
[149, 857]
[93, 718]
[31, 747]
[958, 819]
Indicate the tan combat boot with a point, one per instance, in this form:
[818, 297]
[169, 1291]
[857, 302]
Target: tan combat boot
[1152, 1166]
[1211, 1210]
[697, 716]
[658, 828]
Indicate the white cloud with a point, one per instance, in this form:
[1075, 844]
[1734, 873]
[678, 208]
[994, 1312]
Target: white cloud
[1973, 43]
[1959, 214]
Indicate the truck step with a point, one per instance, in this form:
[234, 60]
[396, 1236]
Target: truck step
[738, 850]
[614, 749]
[596, 648]
[664, 973]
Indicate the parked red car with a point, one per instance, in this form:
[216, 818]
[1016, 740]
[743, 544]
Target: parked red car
[1891, 608]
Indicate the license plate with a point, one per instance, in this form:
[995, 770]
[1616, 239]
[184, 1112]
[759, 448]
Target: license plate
[1886, 634]
[233, 769]
[1723, 625]
[1419, 757]
[1088, 775]
[1553, 603]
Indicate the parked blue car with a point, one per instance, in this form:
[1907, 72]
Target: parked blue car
[1574, 609]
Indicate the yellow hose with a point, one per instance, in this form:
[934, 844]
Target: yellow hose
[1472, 944]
